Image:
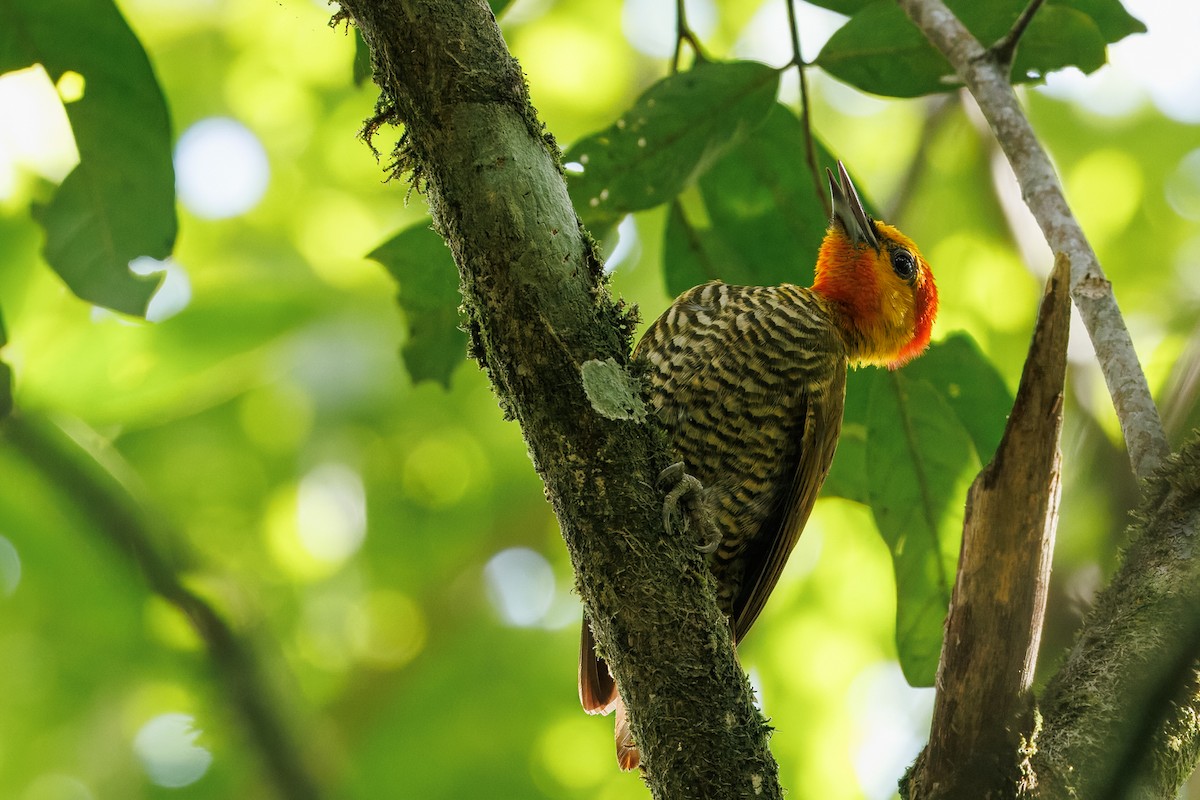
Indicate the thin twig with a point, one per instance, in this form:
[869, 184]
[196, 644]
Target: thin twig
[1004, 50]
[810, 146]
[1090, 289]
[683, 33]
[116, 514]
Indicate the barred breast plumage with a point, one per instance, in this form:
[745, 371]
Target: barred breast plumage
[749, 382]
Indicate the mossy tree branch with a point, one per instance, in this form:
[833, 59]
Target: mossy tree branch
[538, 309]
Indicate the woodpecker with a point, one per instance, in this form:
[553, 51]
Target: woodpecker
[749, 383]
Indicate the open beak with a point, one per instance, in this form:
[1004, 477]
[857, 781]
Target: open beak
[848, 210]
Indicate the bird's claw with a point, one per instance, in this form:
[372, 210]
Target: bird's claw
[685, 487]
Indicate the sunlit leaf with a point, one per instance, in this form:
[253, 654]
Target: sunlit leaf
[880, 50]
[970, 385]
[675, 131]
[848, 474]
[751, 221]
[967, 382]
[420, 261]
[119, 203]
[920, 462]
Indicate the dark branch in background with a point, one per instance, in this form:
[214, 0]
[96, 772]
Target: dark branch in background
[983, 718]
[937, 113]
[810, 146]
[538, 309]
[109, 505]
[1005, 49]
[683, 33]
[988, 82]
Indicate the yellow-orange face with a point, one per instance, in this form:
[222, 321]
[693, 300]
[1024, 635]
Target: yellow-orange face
[877, 278]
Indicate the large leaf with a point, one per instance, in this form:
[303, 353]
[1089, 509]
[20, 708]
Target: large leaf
[971, 386]
[756, 218]
[420, 261]
[879, 49]
[677, 129]
[968, 383]
[920, 461]
[119, 202]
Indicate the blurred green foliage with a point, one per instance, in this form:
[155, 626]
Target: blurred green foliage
[383, 541]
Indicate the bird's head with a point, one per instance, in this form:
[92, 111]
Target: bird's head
[876, 277]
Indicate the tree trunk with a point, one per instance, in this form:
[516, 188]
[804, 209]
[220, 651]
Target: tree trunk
[539, 309]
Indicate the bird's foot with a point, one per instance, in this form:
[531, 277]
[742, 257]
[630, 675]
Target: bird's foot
[684, 507]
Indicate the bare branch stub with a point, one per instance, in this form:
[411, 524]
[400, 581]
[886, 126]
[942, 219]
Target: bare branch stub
[983, 716]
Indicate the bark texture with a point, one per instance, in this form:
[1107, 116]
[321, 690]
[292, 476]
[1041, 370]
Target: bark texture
[983, 718]
[1121, 718]
[988, 81]
[538, 310]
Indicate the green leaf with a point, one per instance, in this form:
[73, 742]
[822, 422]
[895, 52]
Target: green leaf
[1114, 22]
[674, 132]
[750, 222]
[119, 202]
[879, 49]
[920, 461]
[420, 261]
[846, 7]
[1058, 37]
[498, 6]
[848, 473]
[970, 385]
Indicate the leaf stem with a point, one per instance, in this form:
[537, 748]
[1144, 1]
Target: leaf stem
[1005, 49]
[683, 33]
[810, 147]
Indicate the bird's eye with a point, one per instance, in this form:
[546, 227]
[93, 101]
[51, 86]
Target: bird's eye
[904, 264]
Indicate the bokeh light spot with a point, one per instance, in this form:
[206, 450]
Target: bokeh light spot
[221, 168]
[35, 134]
[166, 746]
[437, 473]
[277, 417]
[1183, 187]
[578, 735]
[894, 720]
[10, 568]
[331, 512]
[649, 25]
[392, 632]
[175, 291]
[1106, 189]
[70, 86]
[520, 584]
